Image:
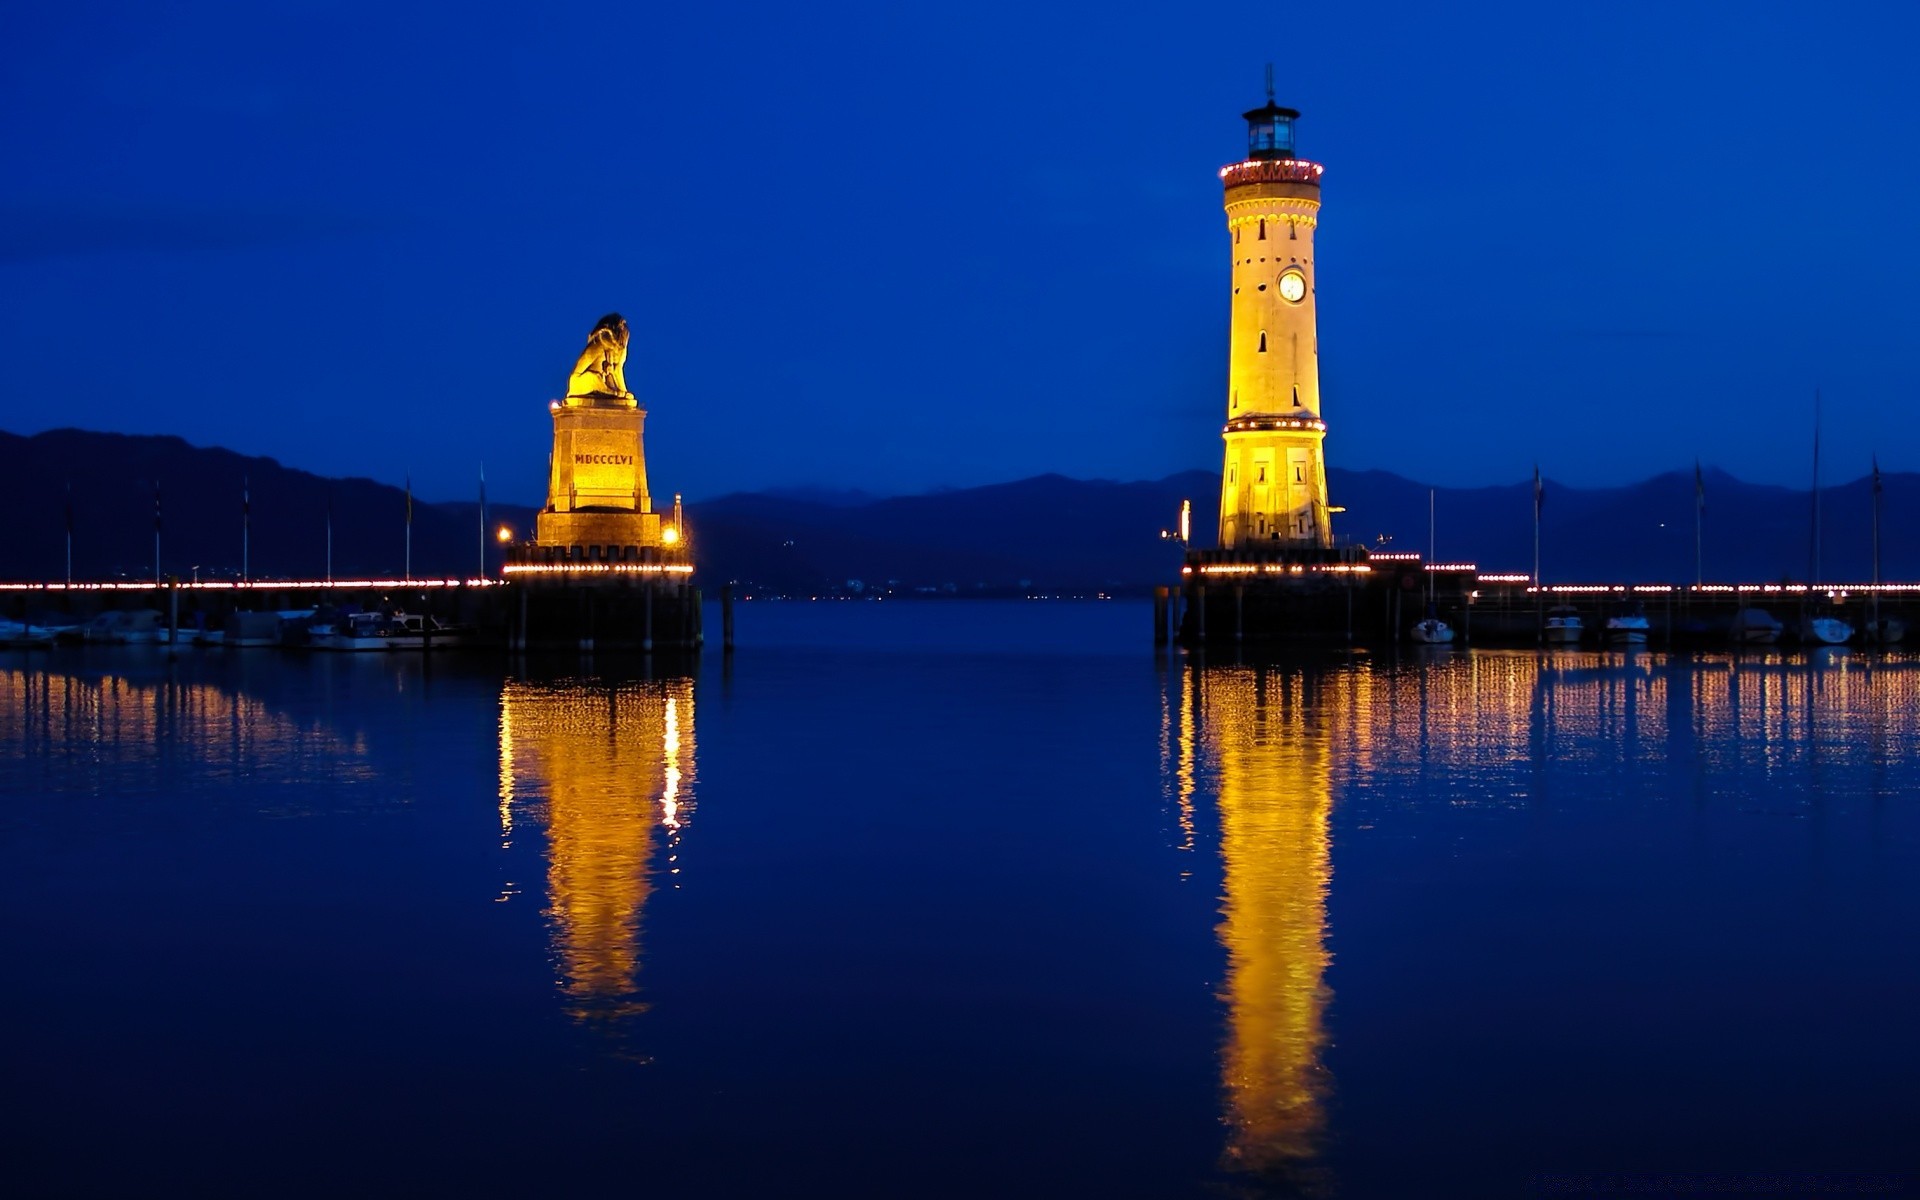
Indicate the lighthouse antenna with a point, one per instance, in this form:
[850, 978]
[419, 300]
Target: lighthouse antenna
[1269, 83]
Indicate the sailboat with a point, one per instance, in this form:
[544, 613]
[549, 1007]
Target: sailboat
[1885, 630]
[1431, 630]
[1817, 630]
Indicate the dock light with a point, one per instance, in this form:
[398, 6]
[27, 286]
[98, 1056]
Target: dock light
[504, 534]
[669, 535]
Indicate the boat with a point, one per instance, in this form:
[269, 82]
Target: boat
[116, 628]
[1754, 627]
[17, 636]
[1829, 631]
[1628, 627]
[1563, 626]
[389, 631]
[1431, 630]
[1887, 631]
[252, 629]
[1825, 631]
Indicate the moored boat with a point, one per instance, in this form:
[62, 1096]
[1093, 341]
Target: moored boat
[1563, 627]
[1754, 627]
[390, 631]
[17, 636]
[1886, 631]
[1825, 631]
[252, 628]
[116, 628]
[1432, 632]
[1628, 627]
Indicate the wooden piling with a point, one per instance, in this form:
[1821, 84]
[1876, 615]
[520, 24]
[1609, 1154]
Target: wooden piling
[726, 618]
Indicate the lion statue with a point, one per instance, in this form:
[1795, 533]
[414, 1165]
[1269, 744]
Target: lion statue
[602, 366]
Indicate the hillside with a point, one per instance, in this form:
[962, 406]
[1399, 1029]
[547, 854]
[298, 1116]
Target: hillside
[1047, 533]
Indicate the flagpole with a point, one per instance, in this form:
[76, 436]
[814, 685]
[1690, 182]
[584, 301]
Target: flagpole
[329, 535]
[69, 533]
[246, 527]
[156, 532]
[409, 574]
[483, 520]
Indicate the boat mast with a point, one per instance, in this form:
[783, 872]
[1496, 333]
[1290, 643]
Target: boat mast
[1876, 541]
[1699, 517]
[1430, 550]
[1536, 526]
[1813, 559]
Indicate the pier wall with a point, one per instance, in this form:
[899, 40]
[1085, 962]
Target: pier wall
[1227, 599]
[548, 612]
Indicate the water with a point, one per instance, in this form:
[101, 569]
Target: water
[946, 899]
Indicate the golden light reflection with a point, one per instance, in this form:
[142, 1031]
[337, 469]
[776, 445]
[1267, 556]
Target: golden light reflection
[1270, 767]
[101, 725]
[1464, 721]
[600, 766]
[1275, 744]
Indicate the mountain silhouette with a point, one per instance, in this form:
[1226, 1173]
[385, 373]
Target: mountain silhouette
[1046, 534]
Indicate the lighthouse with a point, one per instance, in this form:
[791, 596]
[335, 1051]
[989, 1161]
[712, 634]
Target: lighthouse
[1273, 486]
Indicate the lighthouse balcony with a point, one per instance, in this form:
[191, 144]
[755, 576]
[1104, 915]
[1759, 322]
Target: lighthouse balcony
[1271, 170]
[1267, 422]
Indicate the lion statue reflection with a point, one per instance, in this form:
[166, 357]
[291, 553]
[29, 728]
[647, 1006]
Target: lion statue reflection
[602, 367]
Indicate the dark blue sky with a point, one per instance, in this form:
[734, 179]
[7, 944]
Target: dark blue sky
[896, 247]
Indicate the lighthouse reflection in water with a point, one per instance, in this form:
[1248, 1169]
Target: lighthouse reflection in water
[1245, 735]
[606, 773]
[1677, 770]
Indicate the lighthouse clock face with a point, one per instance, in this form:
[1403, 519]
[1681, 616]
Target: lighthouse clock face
[1292, 287]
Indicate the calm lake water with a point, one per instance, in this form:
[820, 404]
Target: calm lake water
[952, 899]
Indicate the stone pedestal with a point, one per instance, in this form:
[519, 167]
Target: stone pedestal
[597, 489]
[597, 529]
[599, 460]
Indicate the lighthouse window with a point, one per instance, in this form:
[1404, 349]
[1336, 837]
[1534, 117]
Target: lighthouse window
[1236, 237]
[1263, 335]
[1263, 230]
[1297, 477]
[1293, 235]
[1263, 475]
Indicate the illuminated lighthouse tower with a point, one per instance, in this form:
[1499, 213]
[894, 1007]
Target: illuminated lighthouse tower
[1273, 488]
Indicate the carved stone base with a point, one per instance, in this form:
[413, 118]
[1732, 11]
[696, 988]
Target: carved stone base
[597, 529]
[599, 461]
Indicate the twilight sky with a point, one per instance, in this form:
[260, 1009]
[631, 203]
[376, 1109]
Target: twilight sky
[899, 246]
